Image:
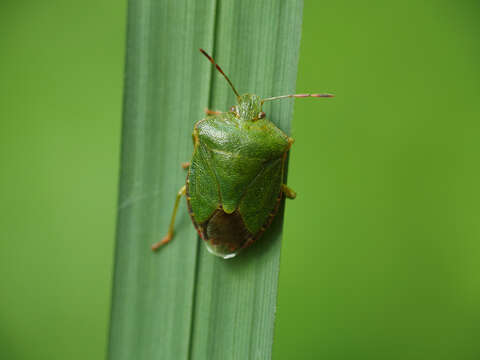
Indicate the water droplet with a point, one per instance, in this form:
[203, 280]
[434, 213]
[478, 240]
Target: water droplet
[220, 250]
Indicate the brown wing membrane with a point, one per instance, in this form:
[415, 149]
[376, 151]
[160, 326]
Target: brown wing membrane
[225, 234]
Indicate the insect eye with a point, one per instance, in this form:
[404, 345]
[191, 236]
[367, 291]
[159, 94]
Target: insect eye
[261, 115]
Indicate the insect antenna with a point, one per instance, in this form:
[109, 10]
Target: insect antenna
[219, 69]
[299, 96]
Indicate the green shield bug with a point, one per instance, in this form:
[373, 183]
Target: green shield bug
[235, 183]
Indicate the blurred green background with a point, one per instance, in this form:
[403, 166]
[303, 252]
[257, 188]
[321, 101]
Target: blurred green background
[381, 251]
[61, 79]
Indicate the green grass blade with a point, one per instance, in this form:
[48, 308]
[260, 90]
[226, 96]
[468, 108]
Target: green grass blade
[256, 43]
[182, 302]
[167, 87]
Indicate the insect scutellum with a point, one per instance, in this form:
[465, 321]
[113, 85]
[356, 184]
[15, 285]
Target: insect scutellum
[249, 107]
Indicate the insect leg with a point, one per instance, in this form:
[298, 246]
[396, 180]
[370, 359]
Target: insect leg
[169, 235]
[185, 165]
[289, 193]
[212, 112]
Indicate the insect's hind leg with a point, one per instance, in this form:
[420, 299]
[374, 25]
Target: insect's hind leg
[289, 193]
[169, 235]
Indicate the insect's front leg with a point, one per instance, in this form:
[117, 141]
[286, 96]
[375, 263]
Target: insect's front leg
[212, 112]
[169, 235]
[290, 142]
[289, 193]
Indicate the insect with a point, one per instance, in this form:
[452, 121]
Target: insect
[234, 184]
